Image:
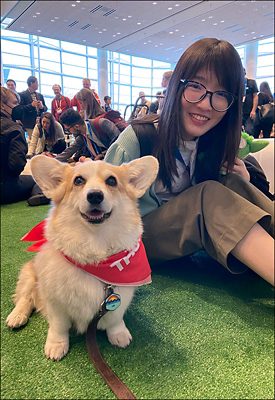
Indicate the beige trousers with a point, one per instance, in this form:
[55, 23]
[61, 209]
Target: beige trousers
[207, 216]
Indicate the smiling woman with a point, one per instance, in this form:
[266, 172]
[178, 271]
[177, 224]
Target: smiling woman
[199, 132]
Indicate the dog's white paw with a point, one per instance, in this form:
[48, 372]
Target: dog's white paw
[16, 319]
[56, 350]
[120, 339]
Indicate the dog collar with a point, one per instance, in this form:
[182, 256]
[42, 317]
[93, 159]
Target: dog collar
[126, 268]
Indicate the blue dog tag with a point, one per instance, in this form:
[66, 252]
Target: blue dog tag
[112, 302]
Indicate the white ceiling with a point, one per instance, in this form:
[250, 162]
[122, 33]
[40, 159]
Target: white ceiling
[159, 30]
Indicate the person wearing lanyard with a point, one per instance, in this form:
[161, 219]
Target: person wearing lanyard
[89, 142]
[218, 209]
[60, 103]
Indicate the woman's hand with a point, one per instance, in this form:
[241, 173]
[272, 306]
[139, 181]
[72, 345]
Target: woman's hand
[239, 168]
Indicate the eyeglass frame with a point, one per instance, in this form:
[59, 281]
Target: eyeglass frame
[186, 81]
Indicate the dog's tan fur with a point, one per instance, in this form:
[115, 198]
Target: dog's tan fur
[66, 295]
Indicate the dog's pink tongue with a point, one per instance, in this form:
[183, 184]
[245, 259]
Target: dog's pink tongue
[96, 214]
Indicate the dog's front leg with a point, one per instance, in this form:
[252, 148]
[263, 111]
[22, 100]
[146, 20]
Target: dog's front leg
[57, 343]
[113, 322]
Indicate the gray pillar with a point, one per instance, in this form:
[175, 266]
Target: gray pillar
[102, 65]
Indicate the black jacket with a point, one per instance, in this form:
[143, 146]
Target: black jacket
[13, 149]
[29, 113]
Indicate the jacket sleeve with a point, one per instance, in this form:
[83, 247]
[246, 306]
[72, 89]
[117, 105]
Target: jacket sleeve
[126, 148]
[70, 151]
[17, 153]
[34, 141]
[109, 132]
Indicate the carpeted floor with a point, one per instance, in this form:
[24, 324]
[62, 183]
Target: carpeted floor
[198, 333]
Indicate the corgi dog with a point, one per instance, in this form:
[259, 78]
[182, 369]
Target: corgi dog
[94, 218]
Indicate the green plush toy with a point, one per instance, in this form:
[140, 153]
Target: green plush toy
[249, 145]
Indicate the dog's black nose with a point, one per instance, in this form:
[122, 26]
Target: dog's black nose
[95, 197]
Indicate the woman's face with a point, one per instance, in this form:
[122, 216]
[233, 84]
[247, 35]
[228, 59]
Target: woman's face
[199, 118]
[46, 124]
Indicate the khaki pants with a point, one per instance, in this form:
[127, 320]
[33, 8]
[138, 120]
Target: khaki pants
[207, 216]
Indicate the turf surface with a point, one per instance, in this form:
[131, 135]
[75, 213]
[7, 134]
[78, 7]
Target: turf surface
[198, 333]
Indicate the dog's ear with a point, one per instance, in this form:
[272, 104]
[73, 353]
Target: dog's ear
[142, 172]
[50, 176]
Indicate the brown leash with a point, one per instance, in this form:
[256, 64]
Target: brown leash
[115, 384]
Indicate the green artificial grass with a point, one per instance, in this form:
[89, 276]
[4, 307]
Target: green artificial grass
[198, 333]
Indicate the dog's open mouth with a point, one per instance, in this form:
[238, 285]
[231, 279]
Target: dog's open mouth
[96, 216]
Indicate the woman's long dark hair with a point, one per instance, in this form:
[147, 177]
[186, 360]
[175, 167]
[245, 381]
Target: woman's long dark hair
[92, 109]
[221, 143]
[265, 88]
[51, 135]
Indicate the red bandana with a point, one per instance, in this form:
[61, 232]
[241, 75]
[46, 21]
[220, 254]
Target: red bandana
[126, 268]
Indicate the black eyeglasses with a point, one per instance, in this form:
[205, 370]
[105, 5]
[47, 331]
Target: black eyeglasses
[194, 92]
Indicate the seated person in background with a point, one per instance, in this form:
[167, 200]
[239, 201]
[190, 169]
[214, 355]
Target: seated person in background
[143, 106]
[15, 187]
[47, 135]
[153, 109]
[89, 142]
[107, 105]
[60, 103]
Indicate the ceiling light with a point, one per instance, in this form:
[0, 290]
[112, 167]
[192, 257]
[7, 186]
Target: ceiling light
[156, 45]
[252, 33]
[123, 19]
[203, 20]
[215, 23]
[170, 8]
[254, 37]
[138, 23]
[118, 33]
[145, 43]
[52, 20]
[221, 21]
[176, 30]
[104, 29]
[154, 3]
[38, 13]
[97, 43]
[171, 33]
[34, 16]
[73, 5]
[176, 5]
[114, 35]
[99, 31]
[56, 17]
[78, 1]
[22, 27]
[83, 40]
[161, 44]
[38, 30]
[182, 35]
[129, 16]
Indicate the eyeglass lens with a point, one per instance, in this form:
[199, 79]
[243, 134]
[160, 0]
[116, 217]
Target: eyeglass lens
[220, 100]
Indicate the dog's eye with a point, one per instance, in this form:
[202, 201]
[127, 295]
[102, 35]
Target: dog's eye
[79, 180]
[111, 181]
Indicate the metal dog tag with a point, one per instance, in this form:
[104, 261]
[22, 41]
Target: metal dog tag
[112, 302]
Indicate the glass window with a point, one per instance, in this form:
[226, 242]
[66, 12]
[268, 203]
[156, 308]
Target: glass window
[75, 48]
[48, 42]
[73, 59]
[47, 80]
[19, 61]
[142, 62]
[125, 58]
[49, 66]
[71, 86]
[92, 51]
[92, 63]
[15, 48]
[160, 64]
[19, 75]
[265, 60]
[49, 54]
[15, 35]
